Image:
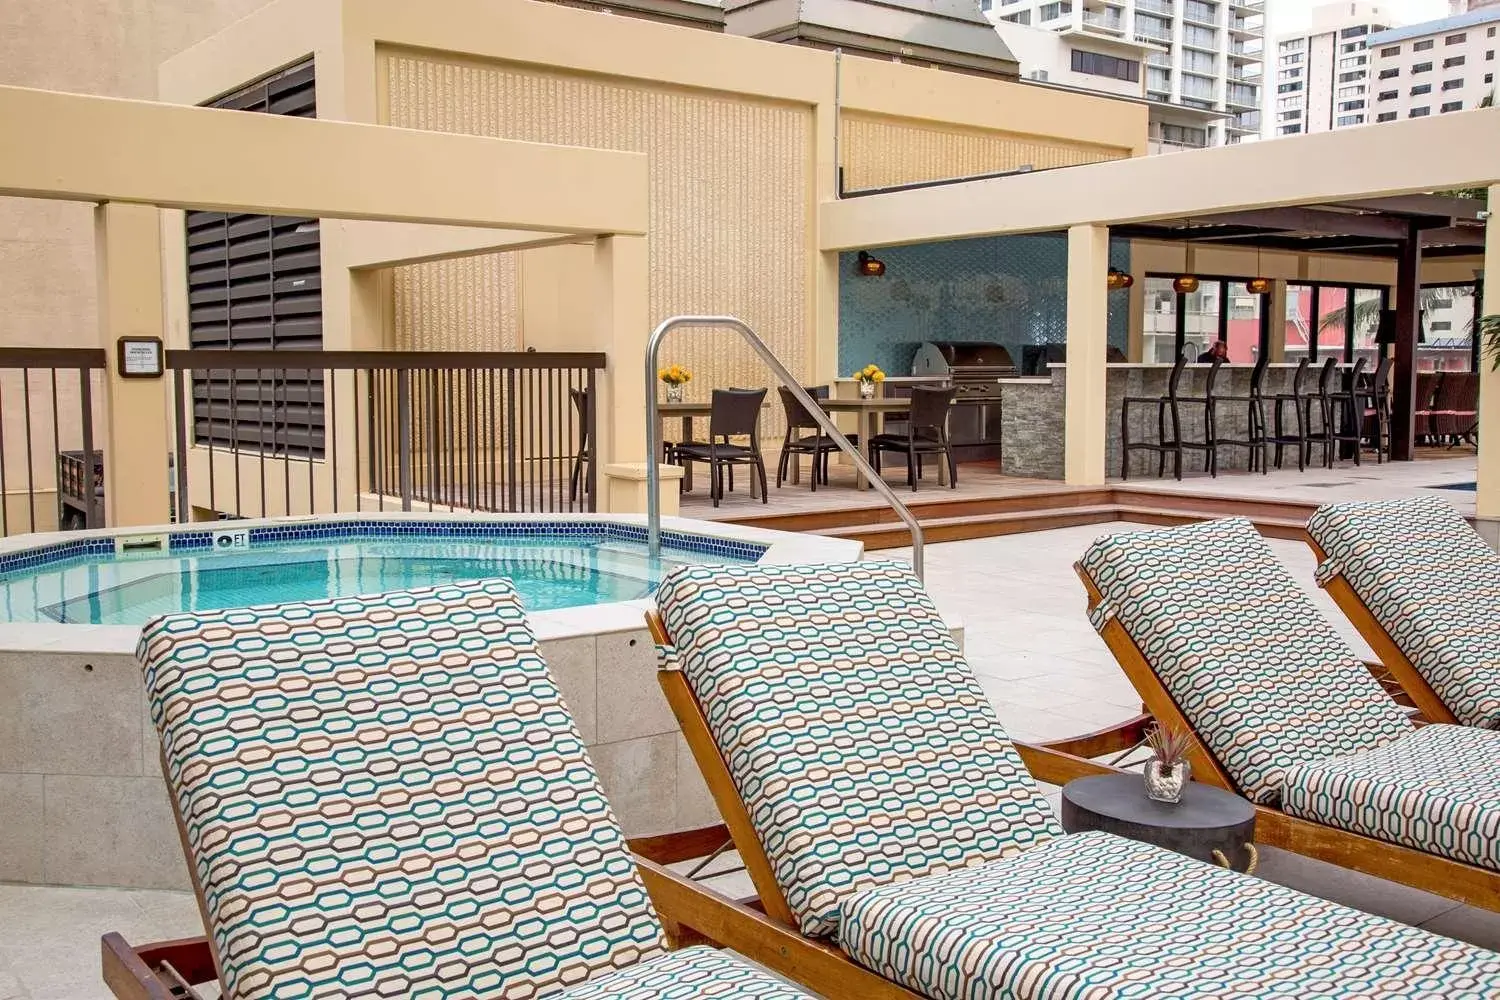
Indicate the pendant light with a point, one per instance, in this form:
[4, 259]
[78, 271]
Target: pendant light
[1258, 286]
[1186, 283]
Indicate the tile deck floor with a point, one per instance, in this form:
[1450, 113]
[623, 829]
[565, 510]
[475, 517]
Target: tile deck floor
[1035, 653]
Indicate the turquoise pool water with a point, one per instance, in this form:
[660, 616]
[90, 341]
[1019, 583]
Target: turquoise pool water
[550, 571]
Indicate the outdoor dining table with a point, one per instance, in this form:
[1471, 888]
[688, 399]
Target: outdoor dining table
[687, 410]
[866, 410]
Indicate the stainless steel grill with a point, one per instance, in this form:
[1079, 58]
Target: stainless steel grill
[974, 369]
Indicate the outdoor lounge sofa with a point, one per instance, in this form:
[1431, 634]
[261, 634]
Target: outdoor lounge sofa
[1219, 640]
[386, 797]
[878, 805]
[1423, 589]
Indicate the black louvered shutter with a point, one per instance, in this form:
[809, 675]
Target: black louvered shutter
[255, 283]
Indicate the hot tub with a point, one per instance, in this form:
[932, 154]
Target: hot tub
[82, 801]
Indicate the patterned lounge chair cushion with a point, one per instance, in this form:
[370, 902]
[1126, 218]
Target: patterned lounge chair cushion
[1257, 670]
[1095, 917]
[1433, 584]
[858, 737]
[387, 795]
[1438, 790]
[686, 975]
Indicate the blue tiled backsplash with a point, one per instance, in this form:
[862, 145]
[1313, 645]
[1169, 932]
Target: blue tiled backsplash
[1011, 290]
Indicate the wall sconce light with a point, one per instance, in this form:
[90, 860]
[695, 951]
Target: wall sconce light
[1119, 279]
[1185, 284]
[1258, 286]
[868, 267]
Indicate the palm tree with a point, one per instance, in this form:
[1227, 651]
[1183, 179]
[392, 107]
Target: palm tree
[1367, 312]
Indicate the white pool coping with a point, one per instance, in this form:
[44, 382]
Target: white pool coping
[784, 547]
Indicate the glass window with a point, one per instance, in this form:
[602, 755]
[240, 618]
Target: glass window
[1051, 10]
[1289, 116]
[1333, 318]
[1386, 116]
[1355, 32]
[1290, 129]
[1490, 33]
[1096, 64]
[1489, 56]
[1160, 327]
[1389, 95]
[1452, 84]
[1289, 74]
[1455, 39]
[1351, 105]
[1347, 120]
[1420, 89]
[1203, 62]
[1448, 328]
[1388, 74]
[1293, 59]
[1453, 61]
[1419, 112]
[1203, 38]
[1425, 67]
[1452, 106]
[1367, 305]
[1288, 88]
[1349, 62]
[1358, 74]
[1489, 78]
[1197, 10]
[1296, 44]
[1392, 50]
[1422, 46]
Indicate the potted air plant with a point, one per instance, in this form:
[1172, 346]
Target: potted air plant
[869, 377]
[675, 377]
[1167, 771]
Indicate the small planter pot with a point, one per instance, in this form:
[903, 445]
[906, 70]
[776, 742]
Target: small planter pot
[674, 392]
[1165, 784]
[866, 390]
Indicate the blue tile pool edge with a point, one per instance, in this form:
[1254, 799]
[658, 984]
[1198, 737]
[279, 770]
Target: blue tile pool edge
[188, 541]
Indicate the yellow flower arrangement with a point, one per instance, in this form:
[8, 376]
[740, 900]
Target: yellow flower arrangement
[870, 373]
[675, 375]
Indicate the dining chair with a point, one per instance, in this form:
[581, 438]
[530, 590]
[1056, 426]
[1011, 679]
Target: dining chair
[926, 434]
[733, 413]
[1254, 441]
[1348, 416]
[1376, 401]
[817, 444]
[1320, 434]
[1281, 436]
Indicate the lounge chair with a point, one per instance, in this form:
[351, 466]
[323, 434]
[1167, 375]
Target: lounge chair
[878, 804]
[1218, 639]
[1424, 590]
[386, 796]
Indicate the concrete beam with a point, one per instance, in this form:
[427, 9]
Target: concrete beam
[1457, 151]
[82, 148]
[392, 244]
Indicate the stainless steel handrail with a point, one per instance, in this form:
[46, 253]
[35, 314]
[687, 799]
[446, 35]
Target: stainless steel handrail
[825, 423]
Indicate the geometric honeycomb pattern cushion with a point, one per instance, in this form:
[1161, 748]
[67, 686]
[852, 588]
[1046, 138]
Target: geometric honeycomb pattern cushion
[856, 734]
[1257, 670]
[686, 975]
[1095, 916]
[1433, 584]
[386, 796]
[1438, 790]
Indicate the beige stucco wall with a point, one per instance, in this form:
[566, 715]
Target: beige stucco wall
[46, 247]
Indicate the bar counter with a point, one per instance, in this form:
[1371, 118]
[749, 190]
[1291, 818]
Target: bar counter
[1032, 411]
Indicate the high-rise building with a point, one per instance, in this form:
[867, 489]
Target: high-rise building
[1203, 56]
[1465, 6]
[1324, 74]
[1436, 67]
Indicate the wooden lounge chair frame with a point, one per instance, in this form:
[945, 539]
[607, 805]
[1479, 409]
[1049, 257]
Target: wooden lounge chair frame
[1400, 669]
[1456, 880]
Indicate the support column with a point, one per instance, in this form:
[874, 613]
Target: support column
[1404, 371]
[1276, 306]
[622, 325]
[127, 247]
[1487, 499]
[1085, 433]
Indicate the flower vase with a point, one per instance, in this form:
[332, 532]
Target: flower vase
[866, 389]
[1165, 783]
[674, 392]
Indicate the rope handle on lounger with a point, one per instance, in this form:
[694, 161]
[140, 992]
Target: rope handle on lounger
[1249, 869]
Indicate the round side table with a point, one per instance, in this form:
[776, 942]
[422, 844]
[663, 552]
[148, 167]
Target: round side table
[1209, 823]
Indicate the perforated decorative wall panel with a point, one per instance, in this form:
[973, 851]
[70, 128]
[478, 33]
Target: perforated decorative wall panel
[730, 194]
[880, 152]
[1011, 290]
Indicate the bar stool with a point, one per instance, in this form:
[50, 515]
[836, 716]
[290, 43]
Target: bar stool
[1254, 440]
[1279, 436]
[1376, 399]
[1322, 404]
[1171, 406]
[1348, 416]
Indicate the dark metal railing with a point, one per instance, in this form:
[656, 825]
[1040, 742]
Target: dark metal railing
[46, 438]
[262, 433]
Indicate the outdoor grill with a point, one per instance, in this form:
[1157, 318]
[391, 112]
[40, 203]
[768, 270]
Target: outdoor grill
[974, 368]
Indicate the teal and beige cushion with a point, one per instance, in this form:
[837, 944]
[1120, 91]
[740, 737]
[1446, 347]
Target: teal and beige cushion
[1093, 916]
[692, 974]
[856, 734]
[1259, 673]
[1434, 586]
[386, 796]
[1437, 790]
